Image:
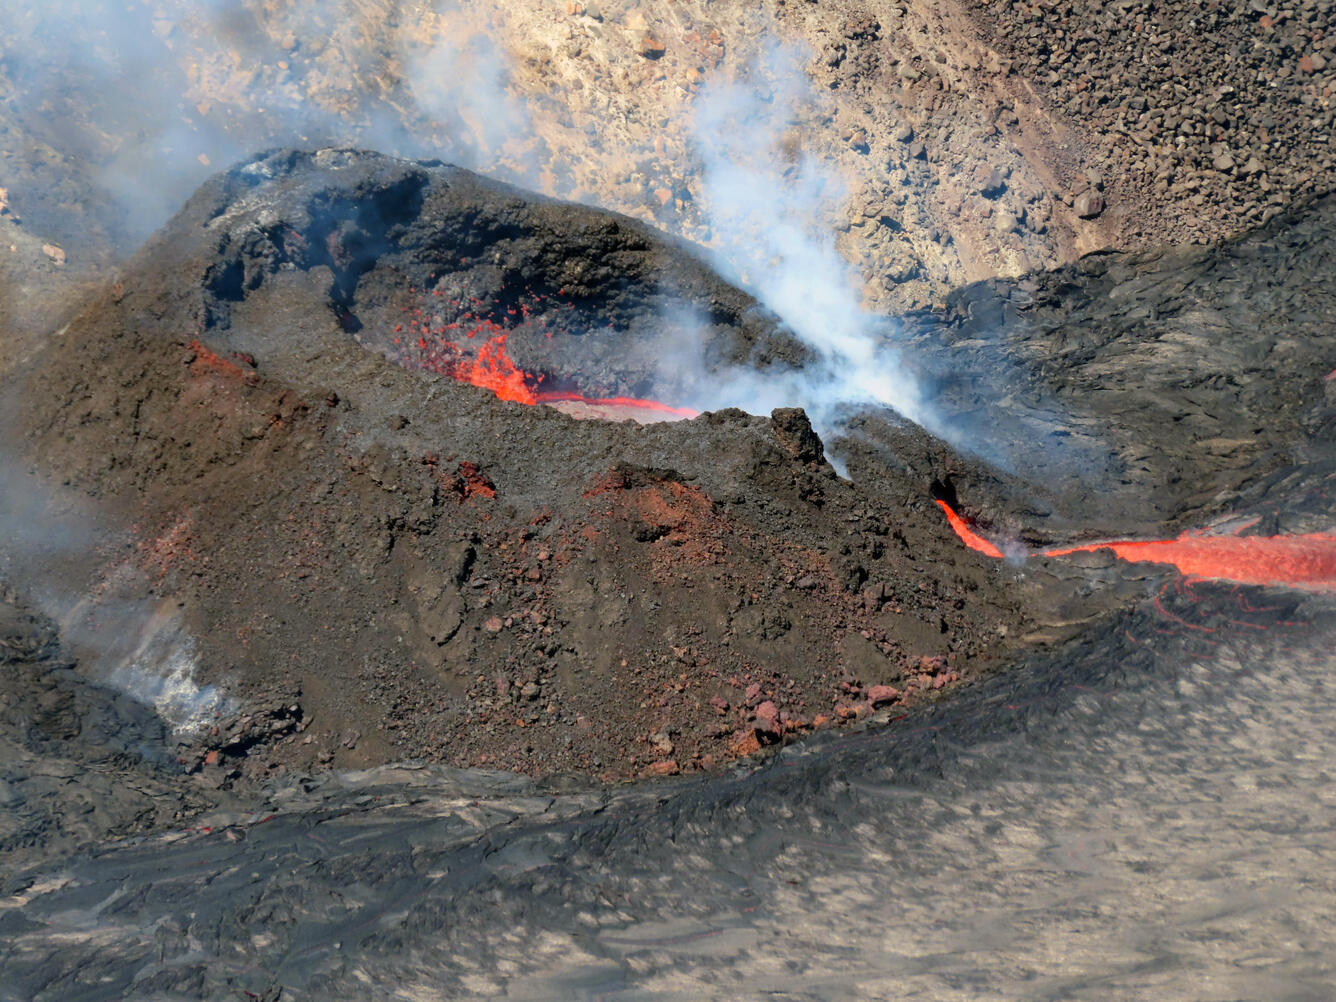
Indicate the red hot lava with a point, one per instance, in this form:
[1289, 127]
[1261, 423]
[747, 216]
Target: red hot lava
[1307, 561]
[1303, 561]
[967, 535]
[493, 369]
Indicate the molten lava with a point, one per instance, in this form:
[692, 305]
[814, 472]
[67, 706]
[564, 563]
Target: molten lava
[1304, 561]
[967, 535]
[493, 369]
[1307, 561]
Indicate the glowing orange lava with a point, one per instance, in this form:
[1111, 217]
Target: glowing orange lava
[1303, 561]
[967, 535]
[493, 369]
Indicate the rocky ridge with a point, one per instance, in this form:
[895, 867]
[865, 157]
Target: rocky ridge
[973, 139]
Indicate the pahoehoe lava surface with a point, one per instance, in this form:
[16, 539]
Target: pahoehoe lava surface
[378, 563]
[1145, 780]
[1135, 393]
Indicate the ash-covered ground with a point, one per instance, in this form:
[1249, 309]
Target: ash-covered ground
[325, 672]
[274, 516]
[361, 557]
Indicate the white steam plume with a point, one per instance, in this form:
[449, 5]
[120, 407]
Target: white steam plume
[769, 210]
[463, 84]
[51, 550]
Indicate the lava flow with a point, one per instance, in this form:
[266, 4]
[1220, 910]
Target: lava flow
[967, 535]
[493, 369]
[1303, 561]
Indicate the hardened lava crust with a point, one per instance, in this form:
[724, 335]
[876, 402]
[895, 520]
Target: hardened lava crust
[289, 410]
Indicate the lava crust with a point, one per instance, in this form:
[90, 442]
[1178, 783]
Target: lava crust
[431, 571]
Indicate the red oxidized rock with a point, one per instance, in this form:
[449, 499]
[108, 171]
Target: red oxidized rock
[879, 694]
[473, 482]
[747, 742]
[767, 718]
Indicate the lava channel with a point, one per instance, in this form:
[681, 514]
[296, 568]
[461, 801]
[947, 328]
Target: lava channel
[493, 369]
[1302, 561]
[967, 535]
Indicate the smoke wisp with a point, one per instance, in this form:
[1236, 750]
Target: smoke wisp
[770, 207]
[52, 545]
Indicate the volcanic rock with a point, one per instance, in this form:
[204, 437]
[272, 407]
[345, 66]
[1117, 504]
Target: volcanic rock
[1089, 204]
[747, 742]
[992, 182]
[794, 431]
[767, 718]
[1005, 221]
[879, 694]
[249, 393]
[79, 760]
[1116, 352]
[242, 392]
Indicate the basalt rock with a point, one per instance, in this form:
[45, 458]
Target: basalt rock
[472, 580]
[1133, 394]
[332, 518]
